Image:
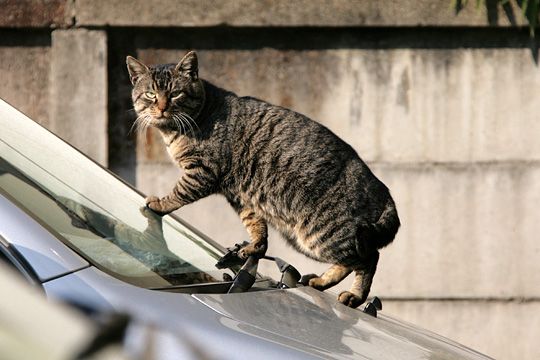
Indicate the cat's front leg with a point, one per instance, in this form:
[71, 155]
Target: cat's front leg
[258, 233]
[192, 186]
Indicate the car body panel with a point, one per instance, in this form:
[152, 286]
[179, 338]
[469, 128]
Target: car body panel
[221, 336]
[302, 321]
[316, 319]
[48, 257]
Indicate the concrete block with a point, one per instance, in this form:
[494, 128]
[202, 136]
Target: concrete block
[392, 105]
[36, 13]
[291, 13]
[25, 69]
[444, 105]
[500, 329]
[468, 231]
[78, 93]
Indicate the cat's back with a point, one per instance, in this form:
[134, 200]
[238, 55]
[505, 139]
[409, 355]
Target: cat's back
[285, 127]
[278, 148]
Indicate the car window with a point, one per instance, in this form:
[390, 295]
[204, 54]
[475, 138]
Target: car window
[97, 215]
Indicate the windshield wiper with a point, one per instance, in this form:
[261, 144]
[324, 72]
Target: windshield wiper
[245, 278]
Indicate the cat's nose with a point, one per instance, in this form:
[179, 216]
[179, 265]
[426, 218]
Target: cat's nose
[161, 103]
[161, 113]
[162, 106]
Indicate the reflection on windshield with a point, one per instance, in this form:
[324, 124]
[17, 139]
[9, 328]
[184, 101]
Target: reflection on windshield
[148, 247]
[139, 250]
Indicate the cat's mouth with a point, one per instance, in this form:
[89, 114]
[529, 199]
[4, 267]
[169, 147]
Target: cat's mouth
[173, 120]
[160, 120]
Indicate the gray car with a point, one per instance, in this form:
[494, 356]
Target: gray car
[75, 230]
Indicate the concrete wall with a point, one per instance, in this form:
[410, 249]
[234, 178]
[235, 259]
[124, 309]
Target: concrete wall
[442, 107]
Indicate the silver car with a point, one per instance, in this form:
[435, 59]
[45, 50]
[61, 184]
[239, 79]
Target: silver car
[82, 235]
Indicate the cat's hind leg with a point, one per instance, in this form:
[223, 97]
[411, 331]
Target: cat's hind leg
[362, 283]
[258, 233]
[331, 277]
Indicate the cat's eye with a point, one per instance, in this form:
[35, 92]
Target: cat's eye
[176, 94]
[150, 94]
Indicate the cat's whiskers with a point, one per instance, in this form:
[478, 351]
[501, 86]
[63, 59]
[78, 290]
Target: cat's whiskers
[141, 124]
[189, 120]
[146, 122]
[178, 123]
[136, 124]
[182, 123]
[188, 125]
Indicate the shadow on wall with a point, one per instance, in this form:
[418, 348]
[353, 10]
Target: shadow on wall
[529, 9]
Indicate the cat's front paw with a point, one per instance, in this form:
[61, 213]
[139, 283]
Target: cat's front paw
[155, 204]
[349, 299]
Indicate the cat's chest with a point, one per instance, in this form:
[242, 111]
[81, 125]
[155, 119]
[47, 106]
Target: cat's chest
[177, 145]
[171, 151]
[184, 152]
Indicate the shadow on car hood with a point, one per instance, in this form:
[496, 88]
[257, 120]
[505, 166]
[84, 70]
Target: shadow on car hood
[316, 320]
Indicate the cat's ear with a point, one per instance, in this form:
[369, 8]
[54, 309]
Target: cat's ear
[136, 69]
[189, 65]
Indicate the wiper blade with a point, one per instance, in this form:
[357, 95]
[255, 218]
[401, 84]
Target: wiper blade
[231, 258]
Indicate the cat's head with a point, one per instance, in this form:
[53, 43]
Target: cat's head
[167, 96]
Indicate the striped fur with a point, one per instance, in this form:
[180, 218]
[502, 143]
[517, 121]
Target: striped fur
[274, 166]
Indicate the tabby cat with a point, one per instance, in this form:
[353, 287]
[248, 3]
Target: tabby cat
[274, 166]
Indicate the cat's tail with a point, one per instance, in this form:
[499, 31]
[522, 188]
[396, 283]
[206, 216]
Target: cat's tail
[386, 227]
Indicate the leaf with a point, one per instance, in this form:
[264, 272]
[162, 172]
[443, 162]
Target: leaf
[532, 16]
[529, 8]
[524, 5]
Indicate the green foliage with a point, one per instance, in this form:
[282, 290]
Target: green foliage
[530, 9]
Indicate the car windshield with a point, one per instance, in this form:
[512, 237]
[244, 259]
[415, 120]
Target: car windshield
[95, 213]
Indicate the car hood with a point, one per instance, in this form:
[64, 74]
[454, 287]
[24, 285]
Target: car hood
[300, 323]
[331, 329]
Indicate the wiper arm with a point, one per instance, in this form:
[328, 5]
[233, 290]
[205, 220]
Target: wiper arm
[289, 275]
[245, 278]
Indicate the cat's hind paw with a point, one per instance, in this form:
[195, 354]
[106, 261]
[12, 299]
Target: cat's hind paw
[318, 283]
[349, 299]
[257, 250]
[305, 279]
